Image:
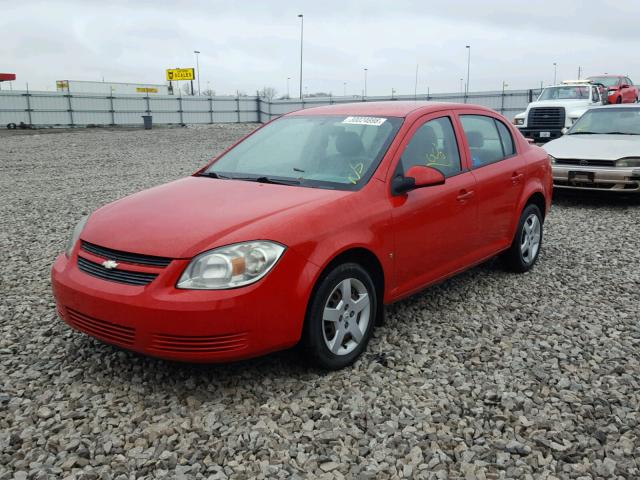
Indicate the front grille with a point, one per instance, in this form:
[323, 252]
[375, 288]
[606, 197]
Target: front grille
[585, 163]
[121, 276]
[546, 117]
[198, 344]
[126, 257]
[107, 331]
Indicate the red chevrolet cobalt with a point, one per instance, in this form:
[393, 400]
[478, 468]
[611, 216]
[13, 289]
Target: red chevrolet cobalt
[304, 230]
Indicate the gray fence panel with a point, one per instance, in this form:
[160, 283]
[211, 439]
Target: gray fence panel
[197, 117]
[49, 102]
[92, 118]
[127, 104]
[128, 118]
[163, 104]
[195, 104]
[50, 118]
[171, 118]
[90, 104]
[12, 101]
[13, 117]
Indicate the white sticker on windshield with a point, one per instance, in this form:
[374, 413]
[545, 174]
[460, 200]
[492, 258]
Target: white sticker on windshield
[375, 121]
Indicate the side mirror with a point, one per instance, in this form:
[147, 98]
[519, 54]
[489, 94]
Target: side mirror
[624, 85]
[564, 130]
[417, 176]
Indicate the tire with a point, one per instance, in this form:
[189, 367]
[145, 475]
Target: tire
[619, 100]
[11, 126]
[525, 248]
[336, 332]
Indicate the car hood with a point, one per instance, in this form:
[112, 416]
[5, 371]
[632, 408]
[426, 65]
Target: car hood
[567, 104]
[592, 147]
[185, 217]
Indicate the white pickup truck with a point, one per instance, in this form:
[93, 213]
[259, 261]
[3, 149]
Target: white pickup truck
[556, 108]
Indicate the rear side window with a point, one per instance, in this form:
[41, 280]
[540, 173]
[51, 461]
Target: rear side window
[507, 139]
[485, 143]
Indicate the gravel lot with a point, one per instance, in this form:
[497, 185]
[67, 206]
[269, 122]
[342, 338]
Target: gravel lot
[489, 375]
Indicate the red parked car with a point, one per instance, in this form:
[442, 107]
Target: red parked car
[304, 230]
[620, 89]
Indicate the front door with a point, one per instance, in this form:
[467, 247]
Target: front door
[434, 227]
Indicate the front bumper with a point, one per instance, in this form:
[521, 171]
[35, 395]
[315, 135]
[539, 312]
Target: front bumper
[187, 325]
[621, 180]
[535, 133]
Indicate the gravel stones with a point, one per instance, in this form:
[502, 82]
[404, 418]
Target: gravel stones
[489, 375]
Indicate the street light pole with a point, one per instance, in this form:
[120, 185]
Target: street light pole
[504, 85]
[365, 81]
[197, 69]
[468, 68]
[555, 72]
[288, 96]
[461, 86]
[301, 17]
[344, 89]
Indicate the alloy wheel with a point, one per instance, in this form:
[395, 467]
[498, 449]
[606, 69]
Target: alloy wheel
[530, 239]
[346, 316]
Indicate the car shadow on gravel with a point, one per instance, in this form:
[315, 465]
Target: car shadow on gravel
[591, 199]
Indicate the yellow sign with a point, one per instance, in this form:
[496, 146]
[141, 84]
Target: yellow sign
[62, 84]
[146, 90]
[180, 74]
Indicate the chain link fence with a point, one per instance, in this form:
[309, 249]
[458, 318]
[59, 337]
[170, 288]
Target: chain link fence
[61, 109]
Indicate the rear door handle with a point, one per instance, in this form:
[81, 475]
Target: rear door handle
[465, 195]
[517, 177]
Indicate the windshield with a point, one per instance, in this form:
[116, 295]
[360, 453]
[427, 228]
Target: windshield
[606, 81]
[608, 120]
[317, 151]
[565, 93]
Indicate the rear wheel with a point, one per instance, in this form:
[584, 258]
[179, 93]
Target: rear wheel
[525, 248]
[340, 319]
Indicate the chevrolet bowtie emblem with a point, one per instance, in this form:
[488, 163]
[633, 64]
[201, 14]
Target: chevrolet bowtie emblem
[109, 264]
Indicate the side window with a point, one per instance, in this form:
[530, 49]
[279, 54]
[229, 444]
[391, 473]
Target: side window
[507, 139]
[596, 95]
[433, 145]
[628, 81]
[483, 138]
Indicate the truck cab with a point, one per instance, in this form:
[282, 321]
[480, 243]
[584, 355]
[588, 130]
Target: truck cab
[558, 107]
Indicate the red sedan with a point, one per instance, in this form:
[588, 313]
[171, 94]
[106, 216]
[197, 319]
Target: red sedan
[620, 89]
[304, 230]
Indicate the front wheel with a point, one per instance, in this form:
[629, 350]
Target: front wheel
[340, 319]
[619, 100]
[525, 248]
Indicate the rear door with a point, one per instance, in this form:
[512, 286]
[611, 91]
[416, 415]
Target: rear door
[434, 227]
[499, 172]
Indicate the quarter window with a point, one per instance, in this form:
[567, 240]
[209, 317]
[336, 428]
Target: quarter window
[433, 145]
[507, 139]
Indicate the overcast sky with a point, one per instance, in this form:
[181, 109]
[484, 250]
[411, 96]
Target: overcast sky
[246, 44]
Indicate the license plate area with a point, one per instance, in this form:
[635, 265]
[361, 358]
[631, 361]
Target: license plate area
[581, 177]
[545, 134]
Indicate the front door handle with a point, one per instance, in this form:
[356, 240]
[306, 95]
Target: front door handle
[465, 195]
[517, 177]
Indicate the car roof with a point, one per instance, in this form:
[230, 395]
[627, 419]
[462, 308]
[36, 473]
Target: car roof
[390, 108]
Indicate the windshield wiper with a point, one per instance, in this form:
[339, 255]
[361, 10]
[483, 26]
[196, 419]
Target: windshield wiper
[620, 133]
[583, 133]
[213, 175]
[265, 179]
